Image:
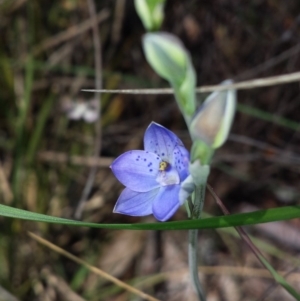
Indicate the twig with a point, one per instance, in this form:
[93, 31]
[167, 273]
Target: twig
[61, 287]
[91, 268]
[71, 32]
[98, 83]
[284, 154]
[277, 277]
[269, 63]
[16, 5]
[245, 85]
[273, 286]
[178, 275]
[57, 157]
[118, 20]
[240, 230]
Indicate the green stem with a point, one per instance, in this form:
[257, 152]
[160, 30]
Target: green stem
[23, 112]
[193, 263]
[23, 108]
[193, 239]
[198, 201]
[36, 137]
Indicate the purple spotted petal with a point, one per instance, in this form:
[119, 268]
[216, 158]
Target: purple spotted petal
[181, 159]
[166, 202]
[161, 141]
[137, 170]
[135, 203]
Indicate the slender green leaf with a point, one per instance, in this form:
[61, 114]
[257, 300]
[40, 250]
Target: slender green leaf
[256, 217]
[267, 247]
[36, 137]
[263, 115]
[20, 126]
[245, 237]
[279, 279]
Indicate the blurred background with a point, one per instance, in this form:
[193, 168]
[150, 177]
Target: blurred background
[50, 131]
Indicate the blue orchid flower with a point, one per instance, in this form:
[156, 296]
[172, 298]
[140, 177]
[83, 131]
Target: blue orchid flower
[152, 176]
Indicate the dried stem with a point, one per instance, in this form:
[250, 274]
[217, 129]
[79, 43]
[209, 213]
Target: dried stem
[91, 268]
[98, 83]
[277, 277]
[71, 32]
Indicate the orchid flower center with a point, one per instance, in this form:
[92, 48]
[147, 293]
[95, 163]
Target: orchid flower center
[167, 175]
[163, 165]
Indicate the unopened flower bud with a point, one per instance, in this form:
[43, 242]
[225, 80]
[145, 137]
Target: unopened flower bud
[212, 122]
[150, 12]
[169, 58]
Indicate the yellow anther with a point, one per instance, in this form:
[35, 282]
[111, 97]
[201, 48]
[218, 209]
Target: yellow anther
[163, 165]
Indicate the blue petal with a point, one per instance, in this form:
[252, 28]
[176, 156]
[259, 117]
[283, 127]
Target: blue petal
[137, 170]
[161, 141]
[135, 203]
[181, 159]
[166, 202]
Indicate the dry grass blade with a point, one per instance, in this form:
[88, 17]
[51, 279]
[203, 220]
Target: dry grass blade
[245, 85]
[91, 268]
[71, 32]
[57, 157]
[98, 132]
[61, 287]
[244, 236]
[244, 272]
[274, 61]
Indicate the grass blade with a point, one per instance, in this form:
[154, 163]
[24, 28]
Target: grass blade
[250, 218]
[270, 117]
[277, 277]
[91, 268]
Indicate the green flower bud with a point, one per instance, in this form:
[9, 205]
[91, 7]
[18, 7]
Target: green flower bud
[150, 12]
[169, 58]
[212, 122]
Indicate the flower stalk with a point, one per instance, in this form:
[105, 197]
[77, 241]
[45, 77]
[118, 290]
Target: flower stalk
[199, 170]
[209, 129]
[193, 266]
[199, 197]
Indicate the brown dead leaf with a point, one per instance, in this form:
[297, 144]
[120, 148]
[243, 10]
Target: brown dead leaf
[229, 288]
[120, 252]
